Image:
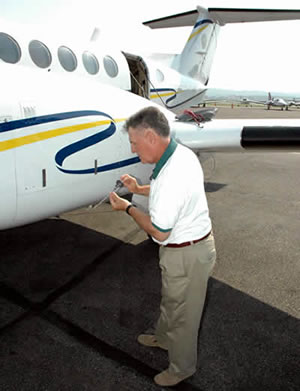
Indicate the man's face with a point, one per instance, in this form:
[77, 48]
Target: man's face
[140, 144]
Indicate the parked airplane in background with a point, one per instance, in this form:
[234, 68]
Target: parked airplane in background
[245, 101]
[276, 102]
[63, 105]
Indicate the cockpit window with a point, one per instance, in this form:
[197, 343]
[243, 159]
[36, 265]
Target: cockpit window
[90, 63]
[110, 66]
[40, 54]
[67, 58]
[9, 49]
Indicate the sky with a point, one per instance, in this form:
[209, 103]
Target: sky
[255, 56]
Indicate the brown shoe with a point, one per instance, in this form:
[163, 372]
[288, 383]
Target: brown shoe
[150, 340]
[166, 379]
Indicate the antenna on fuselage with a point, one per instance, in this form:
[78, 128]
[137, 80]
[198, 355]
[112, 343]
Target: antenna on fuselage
[95, 35]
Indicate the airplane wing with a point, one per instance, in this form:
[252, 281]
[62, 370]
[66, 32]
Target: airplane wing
[258, 102]
[223, 16]
[239, 135]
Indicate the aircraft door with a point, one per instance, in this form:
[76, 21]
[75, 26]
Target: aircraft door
[9, 112]
[29, 171]
[7, 164]
[7, 188]
[139, 75]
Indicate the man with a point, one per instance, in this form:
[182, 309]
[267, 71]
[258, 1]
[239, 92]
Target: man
[179, 221]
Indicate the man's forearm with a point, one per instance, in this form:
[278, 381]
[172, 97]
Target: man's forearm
[143, 190]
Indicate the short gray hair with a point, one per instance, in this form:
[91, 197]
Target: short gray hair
[149, 117]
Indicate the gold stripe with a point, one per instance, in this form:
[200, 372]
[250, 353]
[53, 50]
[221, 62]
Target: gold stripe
[197, 32]
[33, 138]
[154, 96]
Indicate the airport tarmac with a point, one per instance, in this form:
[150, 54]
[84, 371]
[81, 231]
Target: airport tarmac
[76, 291]
[241, 111]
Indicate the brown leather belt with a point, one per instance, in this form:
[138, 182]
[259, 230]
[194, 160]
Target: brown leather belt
[184, 244]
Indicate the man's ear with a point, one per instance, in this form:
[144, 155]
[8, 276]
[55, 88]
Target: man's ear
[151, 136]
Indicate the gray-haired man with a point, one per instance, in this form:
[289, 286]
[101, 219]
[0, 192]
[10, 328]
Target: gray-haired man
[179, 221]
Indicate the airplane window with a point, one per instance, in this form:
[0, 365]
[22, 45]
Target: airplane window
[159, 75]
[9, 49]
[90, 63]
[40, 54]
[110, 66]
[67, 58]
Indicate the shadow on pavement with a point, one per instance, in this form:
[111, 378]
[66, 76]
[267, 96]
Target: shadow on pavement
[73, 302]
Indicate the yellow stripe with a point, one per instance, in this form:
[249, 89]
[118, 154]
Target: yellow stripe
[33, 138]
[197, 32]
[154, 96]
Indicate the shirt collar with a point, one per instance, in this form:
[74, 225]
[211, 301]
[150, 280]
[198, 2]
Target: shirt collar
[165, 157]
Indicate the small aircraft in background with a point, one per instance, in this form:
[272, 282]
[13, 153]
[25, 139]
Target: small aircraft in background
[276, 102]
[294, 102]
[245, 101]
[63, 104]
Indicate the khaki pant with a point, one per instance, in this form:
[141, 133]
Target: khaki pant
[185, 272]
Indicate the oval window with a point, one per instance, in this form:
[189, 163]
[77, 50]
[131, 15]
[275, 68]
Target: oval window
[159, 75]
[40, 54]
[90, 63]
[9, 49]
[67, 58]
[111, 67]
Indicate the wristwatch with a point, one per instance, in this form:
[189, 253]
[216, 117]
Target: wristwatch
[128, 208]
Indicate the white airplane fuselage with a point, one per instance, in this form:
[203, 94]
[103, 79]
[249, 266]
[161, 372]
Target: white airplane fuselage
[61, 144]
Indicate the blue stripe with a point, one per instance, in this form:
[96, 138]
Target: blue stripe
[85, 143]
[24, 123]
[88, 142]
[107, 167]
[165, 89]
[203, 21]
[78, 145]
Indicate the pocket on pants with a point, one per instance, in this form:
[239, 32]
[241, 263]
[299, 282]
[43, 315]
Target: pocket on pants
[171, 262]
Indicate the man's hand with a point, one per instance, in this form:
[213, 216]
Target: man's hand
[117, 202]
[130, 182]
[133, 186]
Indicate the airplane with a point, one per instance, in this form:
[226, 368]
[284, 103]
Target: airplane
[245, 101]
[63, 105]
[276, 102]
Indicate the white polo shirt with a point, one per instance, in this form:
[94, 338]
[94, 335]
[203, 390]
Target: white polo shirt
[177, 200]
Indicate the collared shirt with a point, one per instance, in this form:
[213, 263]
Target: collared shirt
[177, 200]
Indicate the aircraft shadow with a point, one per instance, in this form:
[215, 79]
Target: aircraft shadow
[74, 298]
